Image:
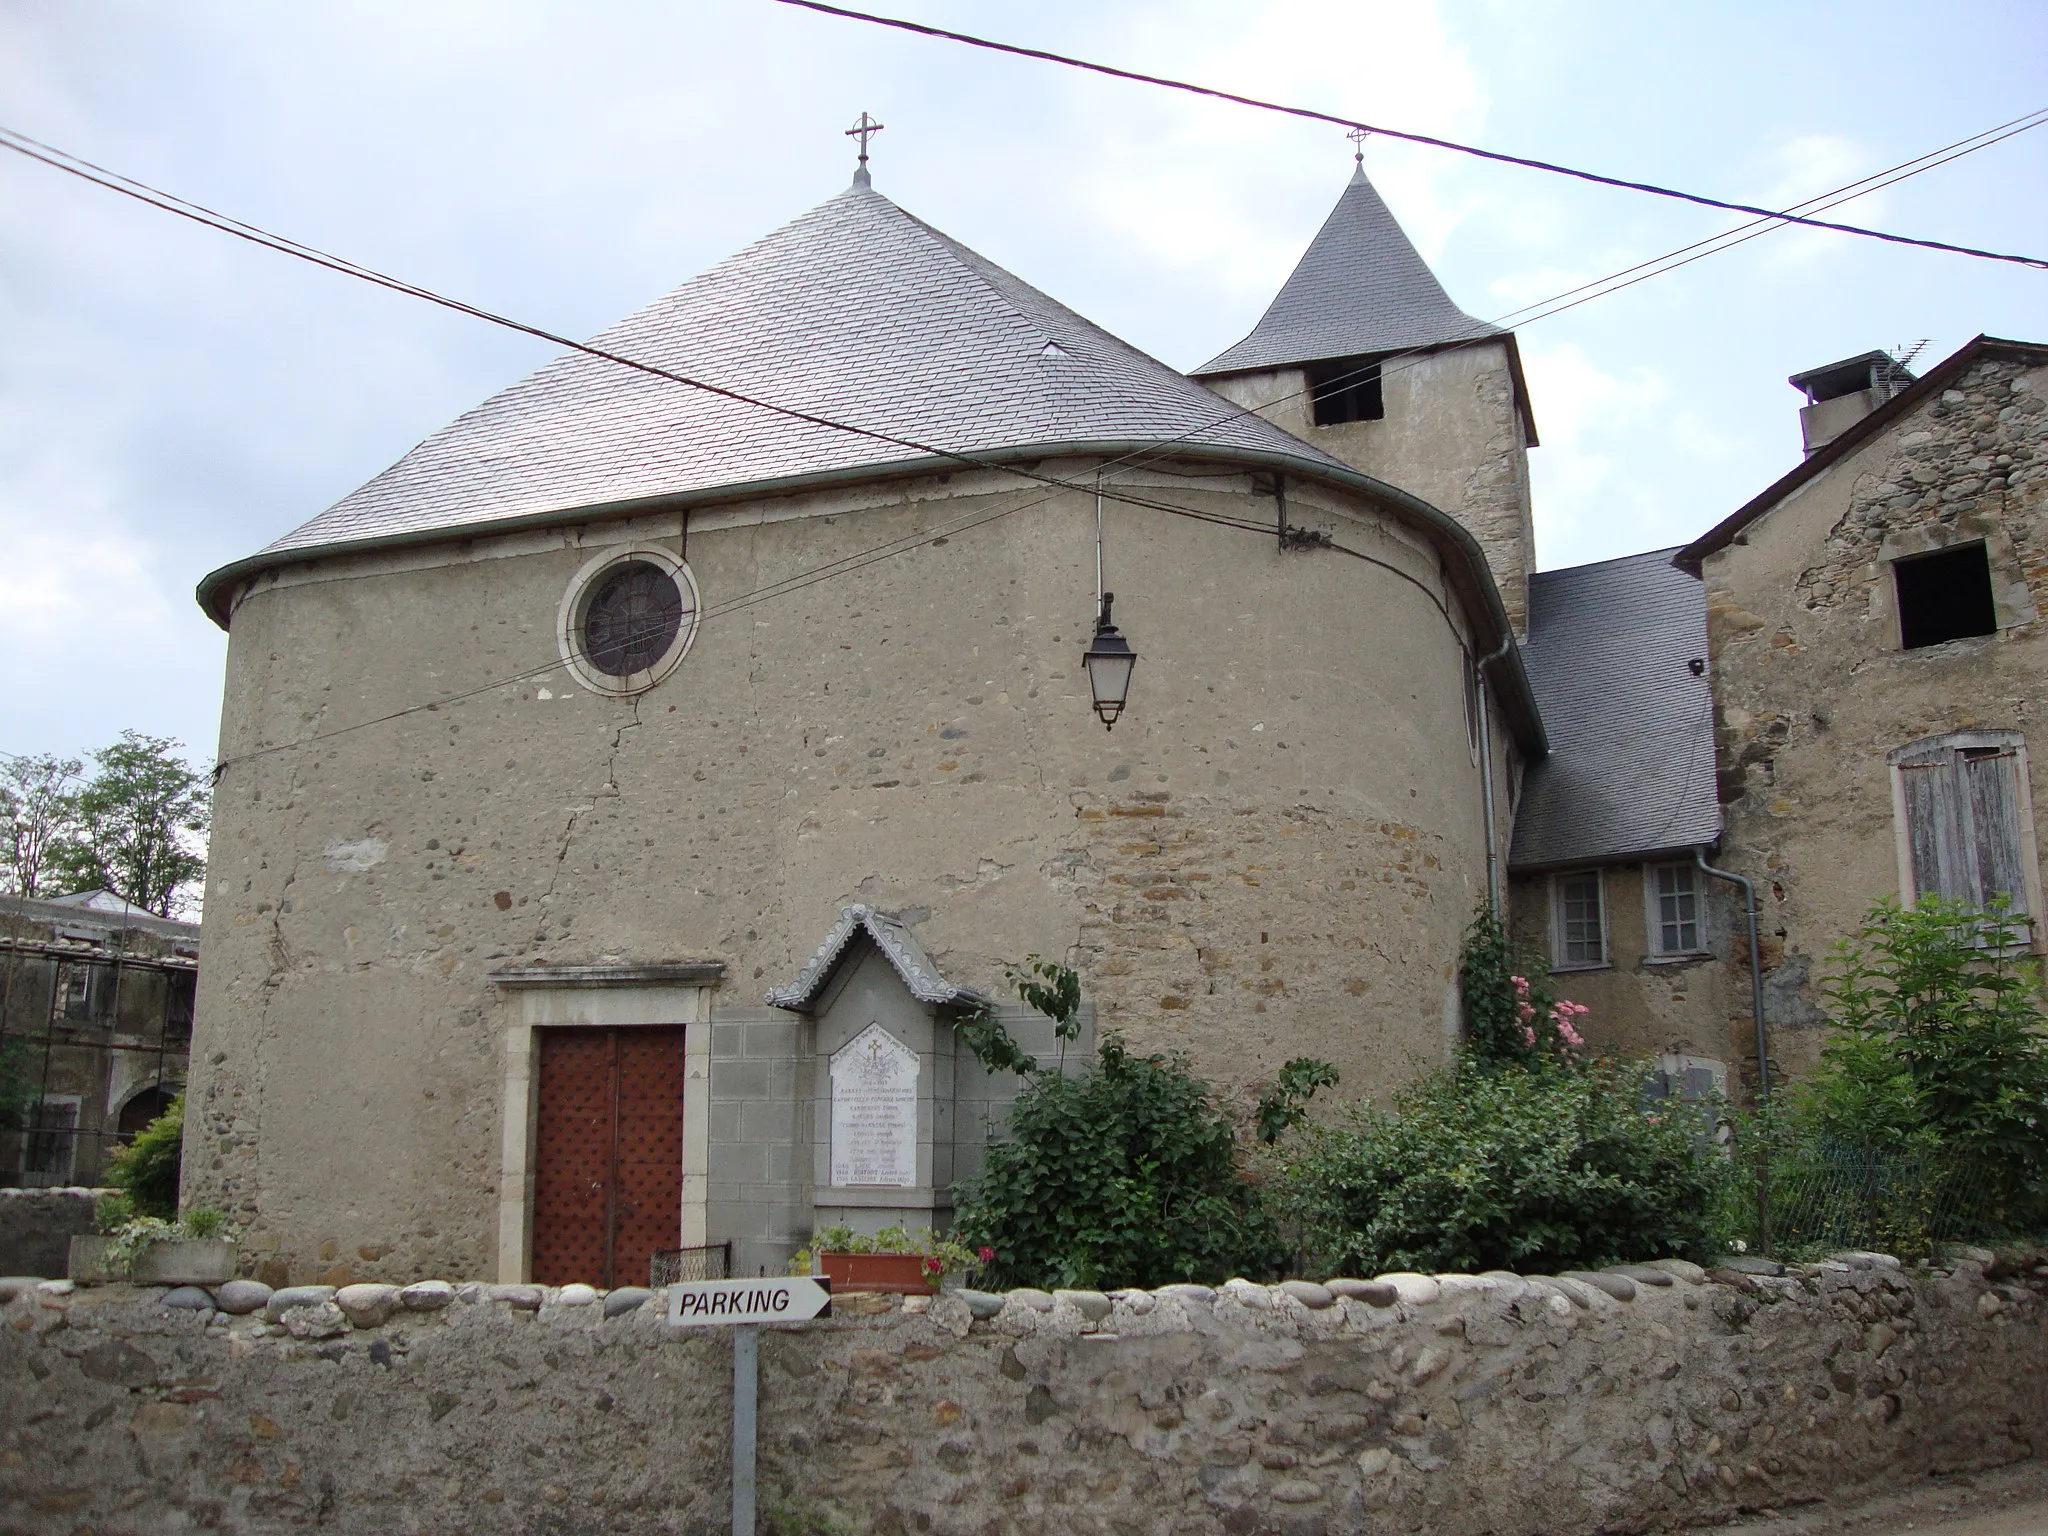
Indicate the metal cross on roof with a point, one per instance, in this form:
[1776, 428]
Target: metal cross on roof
[1358, 136]
[864, 130]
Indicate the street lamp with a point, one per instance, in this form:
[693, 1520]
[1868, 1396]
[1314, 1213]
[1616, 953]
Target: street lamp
[1109, 659]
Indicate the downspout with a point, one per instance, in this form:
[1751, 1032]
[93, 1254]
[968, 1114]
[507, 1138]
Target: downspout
[1763, 1044]
[1494, 903]
[1756, 973]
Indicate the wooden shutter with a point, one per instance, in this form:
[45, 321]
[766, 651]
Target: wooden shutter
[1935, 830]
[1990, 781]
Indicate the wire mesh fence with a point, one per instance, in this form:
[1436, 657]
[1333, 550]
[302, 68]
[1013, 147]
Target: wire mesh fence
[1833, 1195]
[672, 1266]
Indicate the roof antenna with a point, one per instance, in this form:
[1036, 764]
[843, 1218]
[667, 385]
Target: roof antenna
[863, 130]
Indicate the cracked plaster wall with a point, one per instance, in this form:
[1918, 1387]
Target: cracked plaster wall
[1272, 855]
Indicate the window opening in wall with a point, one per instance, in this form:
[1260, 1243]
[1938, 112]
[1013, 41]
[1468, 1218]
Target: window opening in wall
[1347, 390]
[1474, 706]
[52, 1133]
[1944, 596]
[1581, 937]
[1675, 926]
[1964, 803]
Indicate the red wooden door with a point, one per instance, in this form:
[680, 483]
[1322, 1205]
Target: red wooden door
[608, 1155]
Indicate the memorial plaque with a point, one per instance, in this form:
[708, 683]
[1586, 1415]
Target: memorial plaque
[874, 1112]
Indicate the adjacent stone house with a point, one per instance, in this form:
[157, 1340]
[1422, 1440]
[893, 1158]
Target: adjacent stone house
[96, 1016]
[622, 796]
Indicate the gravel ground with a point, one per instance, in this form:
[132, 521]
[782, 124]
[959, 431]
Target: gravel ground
[2012, 1501]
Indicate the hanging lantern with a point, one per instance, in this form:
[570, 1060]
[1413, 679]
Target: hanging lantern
[1109, 659]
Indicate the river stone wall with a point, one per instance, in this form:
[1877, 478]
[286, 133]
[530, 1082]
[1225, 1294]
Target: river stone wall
[1623, 1401]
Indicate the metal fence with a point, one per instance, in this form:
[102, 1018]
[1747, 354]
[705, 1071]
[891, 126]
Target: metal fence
[670, 1266]
[1839, 1196]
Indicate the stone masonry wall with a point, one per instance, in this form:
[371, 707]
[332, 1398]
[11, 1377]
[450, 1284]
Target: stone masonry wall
[1812, 688]
[1647, 1397]
[37, 1225]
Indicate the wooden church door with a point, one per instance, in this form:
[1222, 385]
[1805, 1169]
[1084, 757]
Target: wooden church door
[608, 1154]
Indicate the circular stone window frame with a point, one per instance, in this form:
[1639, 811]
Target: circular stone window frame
[575, 606]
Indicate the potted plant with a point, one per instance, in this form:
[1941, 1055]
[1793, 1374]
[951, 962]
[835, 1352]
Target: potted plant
[198, 1248]
[894, 1259]
[142, 1235]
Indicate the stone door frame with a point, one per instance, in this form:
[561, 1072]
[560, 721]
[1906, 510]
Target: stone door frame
[598, 997]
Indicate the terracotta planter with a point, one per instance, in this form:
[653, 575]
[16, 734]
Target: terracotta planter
[206, 1261]
[899, 1273]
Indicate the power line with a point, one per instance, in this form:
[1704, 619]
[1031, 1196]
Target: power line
[845, 565]
[167, 202]
[1652, 188]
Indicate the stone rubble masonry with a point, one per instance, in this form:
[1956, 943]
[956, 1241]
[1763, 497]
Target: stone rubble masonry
[1812, 689]
[1650, 1395]
[37, 1225]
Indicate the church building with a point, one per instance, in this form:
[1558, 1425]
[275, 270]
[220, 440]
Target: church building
[622, 794]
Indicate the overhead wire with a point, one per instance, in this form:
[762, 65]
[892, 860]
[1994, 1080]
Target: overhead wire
[1313, 115]
[171, 203]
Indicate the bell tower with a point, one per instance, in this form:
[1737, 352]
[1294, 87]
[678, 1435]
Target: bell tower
[1363, 354]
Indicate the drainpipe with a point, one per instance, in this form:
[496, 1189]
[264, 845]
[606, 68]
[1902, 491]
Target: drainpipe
[1763, 1044]
[1493, 892]
[1756, 973]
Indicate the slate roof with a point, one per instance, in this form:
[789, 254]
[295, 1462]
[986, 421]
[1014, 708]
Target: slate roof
[1361, 288]
[855, 311]
[1631, 766]
[894, 940]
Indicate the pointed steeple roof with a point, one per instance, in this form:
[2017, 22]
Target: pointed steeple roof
[1361, 288]
[855, 311]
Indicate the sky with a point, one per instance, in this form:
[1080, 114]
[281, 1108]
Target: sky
[172, 400]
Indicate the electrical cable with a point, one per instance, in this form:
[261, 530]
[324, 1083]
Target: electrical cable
[171, 203]
[1651, 188]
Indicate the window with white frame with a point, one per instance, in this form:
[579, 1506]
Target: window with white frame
[1965, 821]
[1678, 919]
[1578, 909]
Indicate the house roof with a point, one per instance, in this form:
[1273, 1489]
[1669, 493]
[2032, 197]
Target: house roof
[1361, 288]
[895, 942]
[855, 311]
[98, 915]
[1611, 655]
[1937, 379]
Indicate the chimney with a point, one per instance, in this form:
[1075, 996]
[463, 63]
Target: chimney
[1842, 394]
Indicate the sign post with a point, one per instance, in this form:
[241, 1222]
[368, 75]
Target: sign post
[743, 1305]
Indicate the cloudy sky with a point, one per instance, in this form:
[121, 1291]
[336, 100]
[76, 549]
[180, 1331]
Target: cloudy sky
[171, 400]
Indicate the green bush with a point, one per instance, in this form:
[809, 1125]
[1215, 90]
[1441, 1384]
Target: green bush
[1479, 1166]
[146, 1170]
[1125, 1176]
[1927, 1119]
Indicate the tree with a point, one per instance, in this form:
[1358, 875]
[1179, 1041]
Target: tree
[40, 813]
[135, 821]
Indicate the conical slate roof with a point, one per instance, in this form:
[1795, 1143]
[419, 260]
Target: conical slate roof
[856, 311]
[1361, 288]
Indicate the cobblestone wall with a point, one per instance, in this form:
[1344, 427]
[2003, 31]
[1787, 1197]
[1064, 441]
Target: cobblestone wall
[1619, 1401]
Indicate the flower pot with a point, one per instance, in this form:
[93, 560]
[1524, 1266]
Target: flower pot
[900, 1273]
[88, 1264]
[201, 1261]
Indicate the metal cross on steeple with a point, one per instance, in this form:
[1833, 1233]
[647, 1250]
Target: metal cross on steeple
[863, 130]
[1358, 136]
